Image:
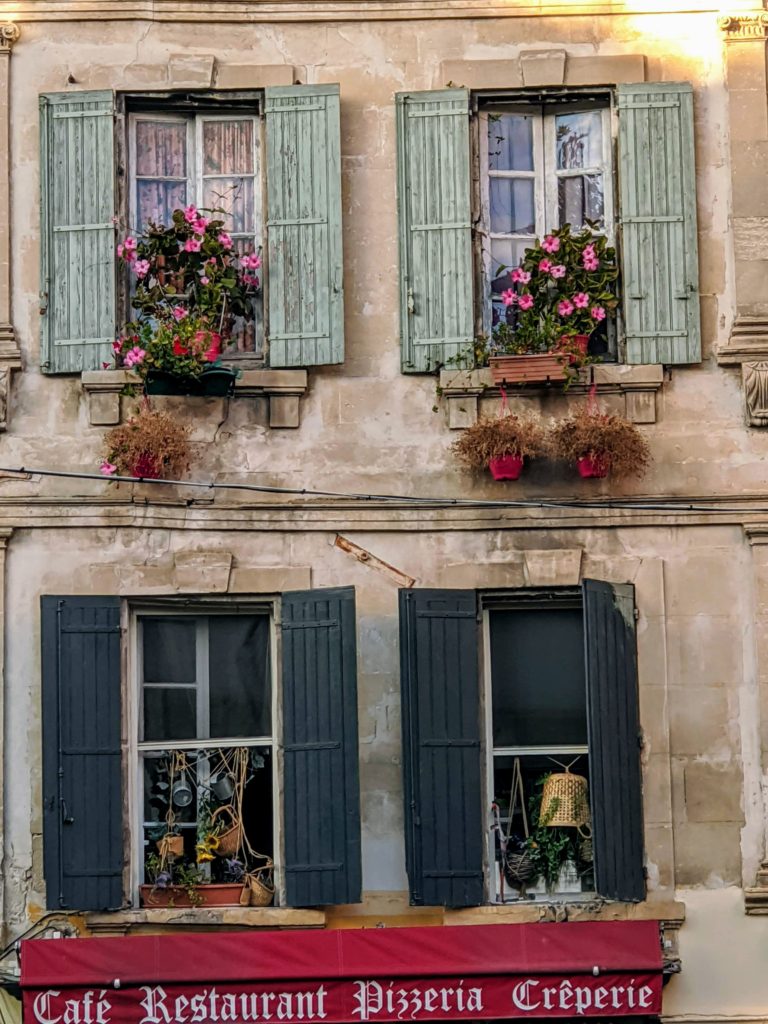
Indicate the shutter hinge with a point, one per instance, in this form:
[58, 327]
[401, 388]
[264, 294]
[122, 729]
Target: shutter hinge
[636, 613]
[43, 303]
[411, 301]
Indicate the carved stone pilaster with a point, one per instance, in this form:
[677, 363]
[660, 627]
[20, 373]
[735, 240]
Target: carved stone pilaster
[9, 34]
[755, 379]
[10, 357]
[740, 27]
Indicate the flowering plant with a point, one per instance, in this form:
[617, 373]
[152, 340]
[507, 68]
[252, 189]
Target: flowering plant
[191, 290]
[609, 440]
[151, 445]
[564, 288]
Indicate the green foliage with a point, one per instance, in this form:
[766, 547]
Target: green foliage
[550, 847]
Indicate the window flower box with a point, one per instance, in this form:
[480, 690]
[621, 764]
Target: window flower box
[527, 368]
[212, 894]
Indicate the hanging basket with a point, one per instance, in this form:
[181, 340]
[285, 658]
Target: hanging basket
[564, 802]
[231, 837]
[170, 845]
[519, 868]
[259, 888]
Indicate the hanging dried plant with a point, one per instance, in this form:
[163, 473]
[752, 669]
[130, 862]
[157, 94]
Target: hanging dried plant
[520, 436]
[151, 444]
[608, 440]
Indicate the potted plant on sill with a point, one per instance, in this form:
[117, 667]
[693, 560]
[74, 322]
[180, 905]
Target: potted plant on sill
[173, 884]
[501, 444]
[558, 296]
[150, 445]
[600, 444]
[191, 289]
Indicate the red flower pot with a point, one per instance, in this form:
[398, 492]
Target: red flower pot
[592, 467]
[506, 467]
[538, 368]
[210, 894]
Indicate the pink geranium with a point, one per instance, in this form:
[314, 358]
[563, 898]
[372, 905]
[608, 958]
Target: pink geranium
[591, 264]
[204, 279]
[178, 313]
[251, 261]
[545, 266]
[508, 297]
[597, 313]
[565, 307]
[520, 276]
[190, 213]
[224, 240]
[107, 468]
[251, 280]
[558, 271]
[134, 356]
[199, 225]
[129, 243]
[117, 346]
[141, 268]
[193, 245]
[550, 244]
[581, 300]
[525, 301]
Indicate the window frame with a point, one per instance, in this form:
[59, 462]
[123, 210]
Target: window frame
[132, 691]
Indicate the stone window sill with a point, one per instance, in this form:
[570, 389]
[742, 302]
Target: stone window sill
[638, 384]
[283, 390]
[121, 922]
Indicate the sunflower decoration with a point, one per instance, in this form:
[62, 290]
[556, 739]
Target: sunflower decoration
[206, 848]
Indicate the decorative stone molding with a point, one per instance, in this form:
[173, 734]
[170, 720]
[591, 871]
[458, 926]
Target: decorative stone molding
[10, 357]
[9, 34]
[748, 341]
[756, 897]
[461, 390]
[743, 27]
[282, 388]
[755, 380]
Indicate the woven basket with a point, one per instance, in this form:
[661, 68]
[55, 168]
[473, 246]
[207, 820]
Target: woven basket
[518, 868]
[259, 889]
[231, 839]
[171, 845]
[564, 802]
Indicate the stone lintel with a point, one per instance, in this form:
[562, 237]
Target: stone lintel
[124, 921]
[539, 68]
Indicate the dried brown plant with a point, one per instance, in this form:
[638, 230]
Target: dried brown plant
[488, 439]
[150, 444]
[607, 438]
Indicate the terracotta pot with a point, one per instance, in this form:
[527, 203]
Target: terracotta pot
[524, 369]
[506, 467]
[209, 895]
[597, 467]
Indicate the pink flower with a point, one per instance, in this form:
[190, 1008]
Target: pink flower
[520, 276]
[204, 279]
[107, 468]
[199, 225]
[545, 266]
[141, 268]
[224, 240]
[105, 366]
[581, 300]
[134, 356]
[120, 250]
[550, 244]
[212, 261]
[129, 255]
[597, 313]
[190, 213]
[565, 308]
[116, 346]
[525, 301]
[252, 261]
[178, 313]
[129, 243]
[558, 271]
[591, 264]
[193, 245]
[251, 280]
[508, 297]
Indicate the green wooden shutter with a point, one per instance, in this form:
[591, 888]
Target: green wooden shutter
[305, 271]
[321, 793]
[435, 232]
[658, 223]
[440, 699]
[82, 776]
[614, 739]
[77, 262]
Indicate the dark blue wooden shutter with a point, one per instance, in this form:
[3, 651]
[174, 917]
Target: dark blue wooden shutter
[441, 747]
[82, 779]
[321, 806]
[614, 739]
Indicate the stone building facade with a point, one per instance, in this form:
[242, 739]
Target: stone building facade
[691, 537]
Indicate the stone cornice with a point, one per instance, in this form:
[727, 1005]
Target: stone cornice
[744, 27]
[328, 10]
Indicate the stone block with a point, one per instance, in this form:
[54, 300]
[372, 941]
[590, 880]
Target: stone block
[750, 238]
[477, 575]
[607, 70]
[698, 722]
[705, 583]
[542, 67]
[640, 406]
[481, 74]
[704, 650]
[462, 412]
[653, 716]
[708, 854]
[253, 76]
[555, 568]
[750, 187]
[284, 411]
[748, 111]
[188, 69]
[269, 579]
[659, 858]
[104, 408]
[713, 792]
[657, 790]
[204, 572]
[746, 67]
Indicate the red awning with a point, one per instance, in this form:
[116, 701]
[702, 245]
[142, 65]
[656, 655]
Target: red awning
[441, 973]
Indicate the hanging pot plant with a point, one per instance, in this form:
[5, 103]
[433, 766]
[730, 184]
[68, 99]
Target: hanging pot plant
[600, 444]
[501, 445]
[150, 445]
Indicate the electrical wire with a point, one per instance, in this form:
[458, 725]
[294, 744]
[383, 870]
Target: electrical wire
[602, 504]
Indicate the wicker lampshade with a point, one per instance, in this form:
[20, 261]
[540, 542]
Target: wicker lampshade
[564, 801]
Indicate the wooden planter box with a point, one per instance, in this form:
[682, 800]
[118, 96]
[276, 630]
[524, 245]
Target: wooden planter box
[527, 369]
[212, 895]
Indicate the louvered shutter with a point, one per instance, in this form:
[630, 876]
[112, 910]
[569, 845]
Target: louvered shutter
[441, 747]
[614, 739]
[82, 778]
[305, 282]
[658, 223]
[435, 233]
[321, 806]
[77, 230]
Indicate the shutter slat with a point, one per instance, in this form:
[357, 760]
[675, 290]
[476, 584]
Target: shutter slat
[658, 221]
[82, 772]
[306, 296]
[321, 788]
[435, 233]
[614, 730]
[77, 230]
[441, 747]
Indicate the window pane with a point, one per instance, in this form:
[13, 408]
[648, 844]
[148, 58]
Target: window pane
[234, 197]
[579, 140]
[156, 200]
[161, 149]
[510, 142]
[169, 650]
[506, 254]
[240, 675]
[228, 147]
[170, 713]
[537, 672]
[512, 206]
[581, 199]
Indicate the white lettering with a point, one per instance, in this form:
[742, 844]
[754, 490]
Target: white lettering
[566, 995]
[153, 1004]
[475, 1000]
[583, 999]
[41, 1007]
[600, 994]
[284, 1006]
[521, 996]
[645, 996]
